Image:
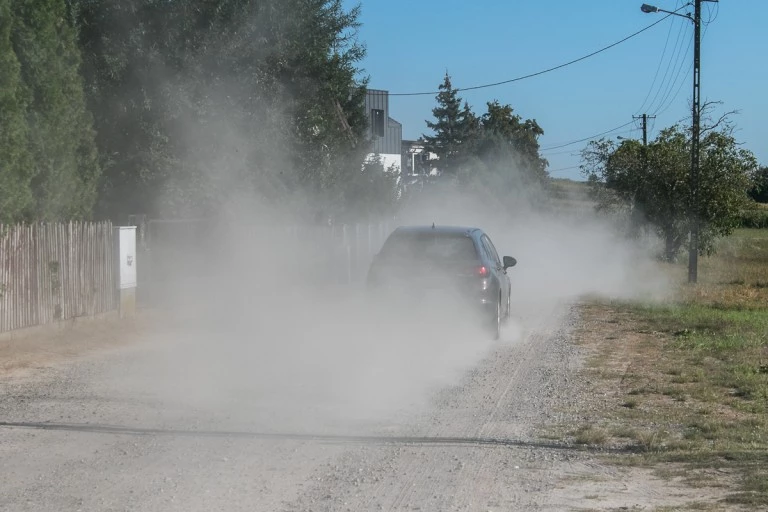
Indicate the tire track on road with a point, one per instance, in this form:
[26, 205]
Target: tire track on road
[524, 365]
[516, 364]
[86, 428]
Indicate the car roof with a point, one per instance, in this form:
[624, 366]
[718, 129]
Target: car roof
[443, 230]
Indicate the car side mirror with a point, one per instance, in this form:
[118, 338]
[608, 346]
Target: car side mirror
[509, 261]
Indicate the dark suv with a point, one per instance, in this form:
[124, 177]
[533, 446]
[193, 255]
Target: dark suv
[456, 262]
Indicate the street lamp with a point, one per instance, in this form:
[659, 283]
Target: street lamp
[650, 9]
[693, 248]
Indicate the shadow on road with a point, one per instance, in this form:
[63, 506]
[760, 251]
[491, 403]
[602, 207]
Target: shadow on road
[338, 439]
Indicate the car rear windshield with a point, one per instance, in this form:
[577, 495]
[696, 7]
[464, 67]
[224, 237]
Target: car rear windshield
[429, 246]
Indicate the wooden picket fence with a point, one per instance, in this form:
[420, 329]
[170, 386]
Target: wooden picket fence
[53, 272]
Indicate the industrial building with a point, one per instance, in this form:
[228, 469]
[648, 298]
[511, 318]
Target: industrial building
[385, 132]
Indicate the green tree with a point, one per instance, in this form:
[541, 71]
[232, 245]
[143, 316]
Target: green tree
[196, 101]
[133, 53]
[455, 129]
[15, 162]
[652, 184]
[60, 132]
[760, 191]
[330, 123]
[373, 191]
[511, 145]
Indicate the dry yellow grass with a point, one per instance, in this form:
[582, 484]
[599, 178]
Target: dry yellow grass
[686, 382]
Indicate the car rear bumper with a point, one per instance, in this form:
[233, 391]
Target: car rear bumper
[481, 302]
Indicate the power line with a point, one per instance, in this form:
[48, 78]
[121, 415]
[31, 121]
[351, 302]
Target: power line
[712, 18]
[531, 75]
[558, 146]
[658, 68]
[565, 152]
[671, 63]
[576, 152]
[664, 104]
[563, 169]
[672, 86]
[674, 62]
[644, 118]
[661, 110]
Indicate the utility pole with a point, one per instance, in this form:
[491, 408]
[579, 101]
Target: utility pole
[693, 249]
[643, 150]
[644, 118]
[693, 206]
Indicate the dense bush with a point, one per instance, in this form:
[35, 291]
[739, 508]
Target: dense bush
[756, 217]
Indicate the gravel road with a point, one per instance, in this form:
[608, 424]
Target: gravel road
[95, 434]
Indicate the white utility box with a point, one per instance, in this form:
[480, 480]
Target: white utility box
[125, 240]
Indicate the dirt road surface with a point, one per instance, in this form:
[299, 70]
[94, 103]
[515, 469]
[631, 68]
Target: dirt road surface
[78, 434]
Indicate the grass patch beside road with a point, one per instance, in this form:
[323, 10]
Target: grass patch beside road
[686, 382]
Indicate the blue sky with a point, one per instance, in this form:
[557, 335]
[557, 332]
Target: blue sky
[411, 44]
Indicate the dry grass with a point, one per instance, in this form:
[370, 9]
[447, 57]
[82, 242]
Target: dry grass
[736, 276]
[686, 382]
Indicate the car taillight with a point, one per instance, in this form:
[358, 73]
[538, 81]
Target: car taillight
[482, 271]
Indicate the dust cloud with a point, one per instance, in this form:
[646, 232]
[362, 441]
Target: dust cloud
[564, 253]
[269, 334]
[271, 337]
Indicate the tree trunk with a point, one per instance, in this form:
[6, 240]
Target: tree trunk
[671, 247]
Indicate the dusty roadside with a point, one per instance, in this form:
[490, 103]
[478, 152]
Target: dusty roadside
[502, 412]
[69, 342]
[478, 444]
